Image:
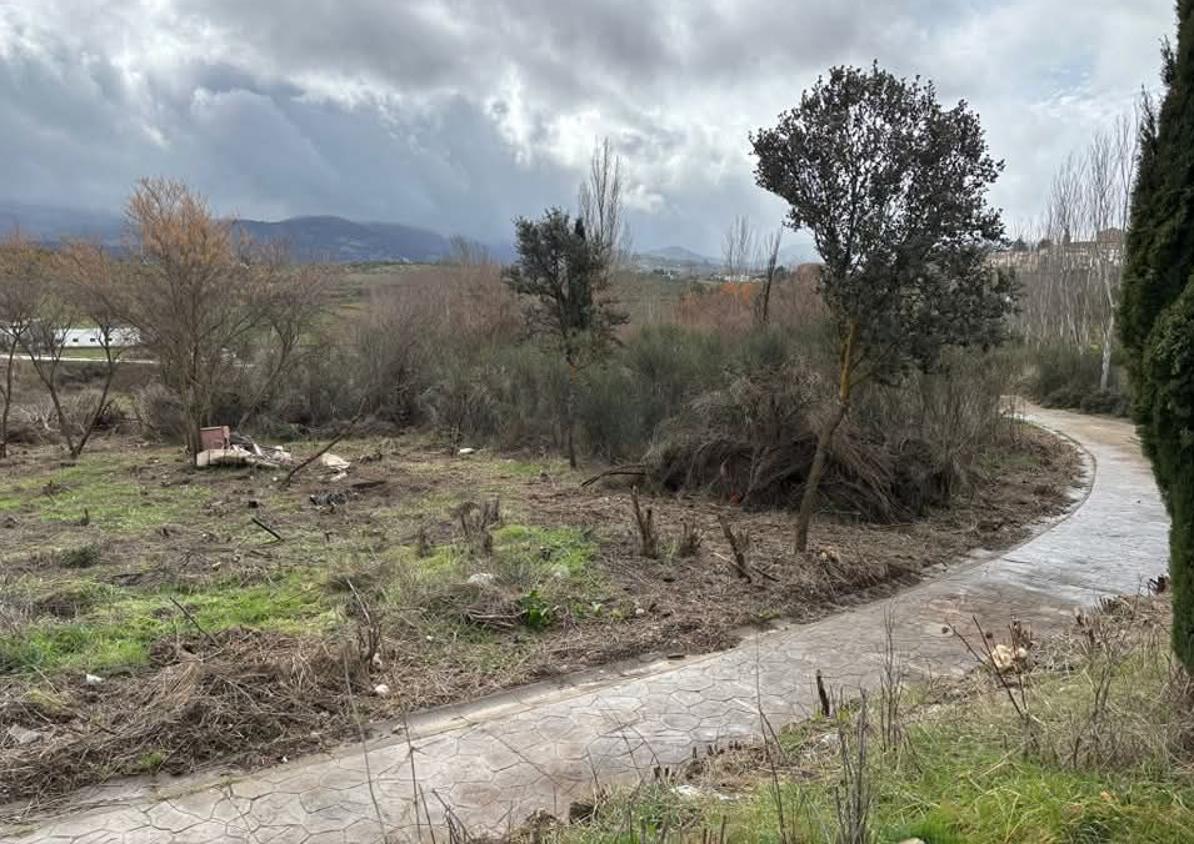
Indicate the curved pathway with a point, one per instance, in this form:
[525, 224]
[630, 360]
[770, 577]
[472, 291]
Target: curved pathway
[496, 761]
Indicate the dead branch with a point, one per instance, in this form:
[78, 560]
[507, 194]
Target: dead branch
[826, 707]
[300, 467]
[691, 537]
[738, 544]
[194, 622]
[267, 528]
[629, 469]
[647, 535]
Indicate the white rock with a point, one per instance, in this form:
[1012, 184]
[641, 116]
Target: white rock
[333, 461]
[465, 452]
[913, 841]
[22, 735]
[381, 690]
[92, 680]
[482, 578]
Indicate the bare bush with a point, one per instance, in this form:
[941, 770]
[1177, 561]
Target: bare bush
[198, 295]
[477, 522]
[644, 519]
[853, 798]
[691, 537]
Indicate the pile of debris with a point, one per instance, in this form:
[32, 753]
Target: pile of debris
[222, 447]
[237, 695]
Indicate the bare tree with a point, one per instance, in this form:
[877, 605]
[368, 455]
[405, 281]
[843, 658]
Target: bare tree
[196, 296]
[85, 290]
[55, 318]
[770, 251]
[20, 266]
[739, 254]
[463, 252]
[1071, 280]
[1112, 175]
[291, 302]
[601, 206]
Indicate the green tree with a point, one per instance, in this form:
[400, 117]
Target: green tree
[893, 189]
[1156, 316]
[561, 275]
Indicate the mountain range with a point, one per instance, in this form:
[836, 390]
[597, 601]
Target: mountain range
[309, 238]
[315, 238]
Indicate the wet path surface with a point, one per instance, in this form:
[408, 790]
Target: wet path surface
[496, 761]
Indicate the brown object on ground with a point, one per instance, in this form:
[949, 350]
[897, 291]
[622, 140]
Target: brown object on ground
[219, 437]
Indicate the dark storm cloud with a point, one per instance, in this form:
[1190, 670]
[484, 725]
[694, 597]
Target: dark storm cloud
[460, 114]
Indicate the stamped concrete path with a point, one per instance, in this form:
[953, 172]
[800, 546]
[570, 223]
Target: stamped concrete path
[496, 761]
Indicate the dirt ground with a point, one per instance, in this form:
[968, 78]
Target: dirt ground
[151, 621]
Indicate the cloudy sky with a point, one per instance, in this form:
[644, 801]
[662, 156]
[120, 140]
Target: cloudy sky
[458, 115]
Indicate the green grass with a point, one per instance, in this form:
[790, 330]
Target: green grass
[561, 550]
[103, 487]
[119, 626]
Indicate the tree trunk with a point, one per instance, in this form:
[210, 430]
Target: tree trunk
[7, 403]
[570, 415]
[764, 305]
[94, 418]
[49, 380]
[1108, 336]
[808, 501]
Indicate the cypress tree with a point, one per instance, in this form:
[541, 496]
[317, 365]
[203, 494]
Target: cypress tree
[1157, 312]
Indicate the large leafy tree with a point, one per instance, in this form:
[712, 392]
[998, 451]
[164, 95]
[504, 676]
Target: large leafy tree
[561, 275]
[893, 188]
[1156, 316]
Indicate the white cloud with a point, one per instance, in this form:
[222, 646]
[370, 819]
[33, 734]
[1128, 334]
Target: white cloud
[459, 114]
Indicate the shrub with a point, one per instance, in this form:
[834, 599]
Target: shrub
[1156, 316]
[81, 557]
[902, 451]
[159, 413]
[1068, 376]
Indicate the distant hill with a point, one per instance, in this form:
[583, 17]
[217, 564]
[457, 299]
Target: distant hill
[316, 238]
[339, 240]
[675, 255]
[50, 223]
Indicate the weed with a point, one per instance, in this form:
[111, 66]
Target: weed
[537, 614]
[81, 557]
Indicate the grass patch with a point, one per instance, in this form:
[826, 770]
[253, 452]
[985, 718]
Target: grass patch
[102, 487]
[117, 628]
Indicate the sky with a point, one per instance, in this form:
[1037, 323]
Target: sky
[459, 115]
